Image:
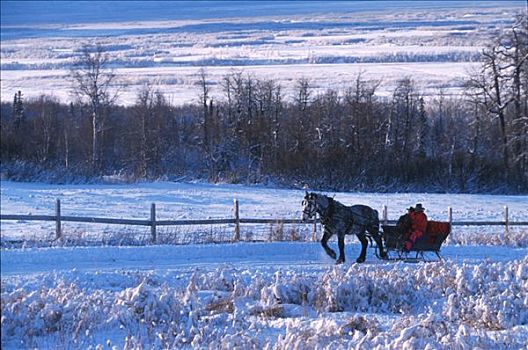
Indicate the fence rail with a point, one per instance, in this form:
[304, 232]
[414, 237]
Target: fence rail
[236, 220]
[489, 223]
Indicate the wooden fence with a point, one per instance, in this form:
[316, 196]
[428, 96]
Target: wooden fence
[236, 221]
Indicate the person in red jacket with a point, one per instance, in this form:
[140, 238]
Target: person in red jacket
[418, 227]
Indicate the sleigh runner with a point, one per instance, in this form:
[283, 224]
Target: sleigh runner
[431, 242]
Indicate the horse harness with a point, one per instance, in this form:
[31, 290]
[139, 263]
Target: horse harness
[326, 217]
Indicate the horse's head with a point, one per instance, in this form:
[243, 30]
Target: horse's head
[309, 206]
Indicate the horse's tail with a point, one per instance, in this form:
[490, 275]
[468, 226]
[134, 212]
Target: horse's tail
[374, 232]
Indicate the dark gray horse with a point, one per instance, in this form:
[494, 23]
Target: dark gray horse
[342, 220]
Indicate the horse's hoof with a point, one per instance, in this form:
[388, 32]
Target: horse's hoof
[384, 256]
[340, 261]
[360, 260]
[333, 255]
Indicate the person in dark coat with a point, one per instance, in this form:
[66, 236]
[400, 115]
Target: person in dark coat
[404, 223]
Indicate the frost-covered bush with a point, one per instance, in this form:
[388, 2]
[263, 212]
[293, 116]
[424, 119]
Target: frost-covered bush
[63, 309]
[147, 305]
[27, 171]
[390, 306]
[515, 237]
[489, 297]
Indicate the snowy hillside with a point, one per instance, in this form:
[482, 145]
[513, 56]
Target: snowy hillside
[330, 43]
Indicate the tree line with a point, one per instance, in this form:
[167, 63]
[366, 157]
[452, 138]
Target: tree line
[346, 139]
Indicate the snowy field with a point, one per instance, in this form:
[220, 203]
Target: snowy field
[434, 42]
[106, 287]
[261, 296]
[181, 201]
[274, 295]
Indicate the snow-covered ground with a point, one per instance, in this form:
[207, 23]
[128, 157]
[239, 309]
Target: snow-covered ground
[261, 295]
[255, 295]
[179, 201]
[434, 42]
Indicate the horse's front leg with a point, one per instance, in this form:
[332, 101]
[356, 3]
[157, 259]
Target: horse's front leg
[341, 244]
[364, 244]
[324, 242]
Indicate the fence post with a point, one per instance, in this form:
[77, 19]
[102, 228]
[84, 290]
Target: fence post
[450, 215]
[385, 215]
[153, 222]
[58, 228]
[236, 237]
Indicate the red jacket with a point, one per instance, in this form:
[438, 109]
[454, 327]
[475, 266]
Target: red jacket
[419, 221]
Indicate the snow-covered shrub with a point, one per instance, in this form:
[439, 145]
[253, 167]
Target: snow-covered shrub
[362, 324]
[490, 295]
[515, 237]
[396, 290]
[289, 289]
[147, 304]
[294, 234]
[277, 232]
[61, 309]
[441, 305]
[27, 171]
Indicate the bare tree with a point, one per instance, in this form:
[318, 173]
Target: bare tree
[302, 99]
[400, 130]
[423, 129]
[499, 102]
[204, 99]
[18, 109]
[143, 112]
[515, 52]
[93, 81]
[498, 86]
